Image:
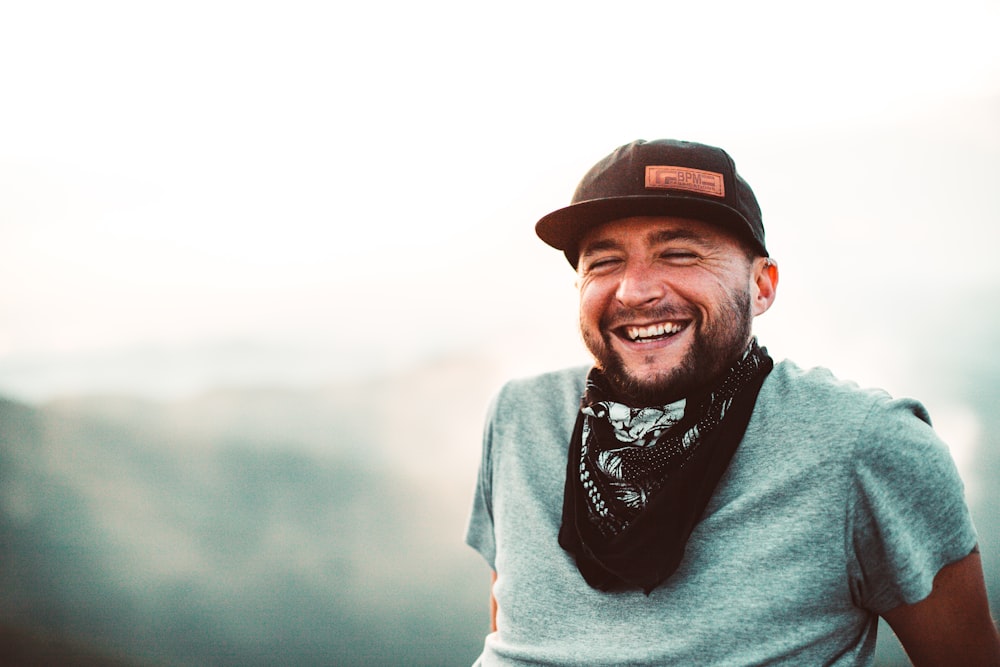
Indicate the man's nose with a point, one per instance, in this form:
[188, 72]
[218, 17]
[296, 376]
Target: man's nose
[639, 287]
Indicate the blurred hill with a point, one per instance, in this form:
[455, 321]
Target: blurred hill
[285, 526]
[21, 648]
[249, 527]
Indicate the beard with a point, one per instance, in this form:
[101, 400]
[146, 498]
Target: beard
[715, 348]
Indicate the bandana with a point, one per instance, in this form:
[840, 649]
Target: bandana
[638, 479]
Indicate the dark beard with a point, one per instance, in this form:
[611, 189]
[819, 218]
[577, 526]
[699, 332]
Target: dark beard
[713, 352]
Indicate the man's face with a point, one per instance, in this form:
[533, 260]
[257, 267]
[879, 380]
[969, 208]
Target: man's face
[666, 304]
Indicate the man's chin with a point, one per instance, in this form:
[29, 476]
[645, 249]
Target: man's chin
[645, 389]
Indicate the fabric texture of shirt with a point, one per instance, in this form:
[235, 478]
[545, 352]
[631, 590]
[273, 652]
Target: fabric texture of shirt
[839, 504]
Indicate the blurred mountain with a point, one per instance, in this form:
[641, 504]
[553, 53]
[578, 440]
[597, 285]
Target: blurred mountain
[249, 527]
[20, 647]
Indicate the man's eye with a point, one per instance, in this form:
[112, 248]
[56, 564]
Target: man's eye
[602, 264]
[679, 256]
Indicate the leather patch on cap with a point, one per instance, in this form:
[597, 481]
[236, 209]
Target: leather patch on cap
[685, 178]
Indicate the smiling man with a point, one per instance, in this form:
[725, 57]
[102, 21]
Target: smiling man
[688, 501]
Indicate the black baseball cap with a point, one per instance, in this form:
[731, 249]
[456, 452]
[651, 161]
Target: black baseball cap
[662, 177]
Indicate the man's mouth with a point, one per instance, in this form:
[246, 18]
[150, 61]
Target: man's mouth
[651, 332]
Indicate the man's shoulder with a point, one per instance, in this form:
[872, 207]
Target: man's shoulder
[817, 391]
[816, 396]
[556, 389]
[789, 377]
[545, 403]
[830, 420]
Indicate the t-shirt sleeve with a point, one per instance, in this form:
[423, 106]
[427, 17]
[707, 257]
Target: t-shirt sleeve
[907, 513]
[479, 532]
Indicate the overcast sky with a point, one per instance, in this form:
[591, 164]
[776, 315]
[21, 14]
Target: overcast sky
[358, 185]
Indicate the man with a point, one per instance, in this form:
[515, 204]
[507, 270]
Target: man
[687, 501]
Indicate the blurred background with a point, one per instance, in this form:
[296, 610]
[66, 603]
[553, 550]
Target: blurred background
[264, 264]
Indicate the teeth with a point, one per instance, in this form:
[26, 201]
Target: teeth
[652, 331]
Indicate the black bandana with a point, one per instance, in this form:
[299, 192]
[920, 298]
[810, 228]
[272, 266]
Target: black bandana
[638, 479]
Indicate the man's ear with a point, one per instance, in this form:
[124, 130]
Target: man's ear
[764, 284]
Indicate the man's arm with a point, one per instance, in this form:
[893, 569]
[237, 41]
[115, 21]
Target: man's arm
[952, 625]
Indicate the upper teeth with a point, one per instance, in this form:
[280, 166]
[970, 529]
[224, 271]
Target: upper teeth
[653, 330]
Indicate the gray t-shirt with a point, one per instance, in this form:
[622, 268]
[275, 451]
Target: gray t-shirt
[839, 504]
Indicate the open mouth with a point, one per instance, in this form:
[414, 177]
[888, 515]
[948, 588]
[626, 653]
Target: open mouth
[645, 334]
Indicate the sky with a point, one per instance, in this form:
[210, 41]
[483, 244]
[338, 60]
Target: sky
[194, 193]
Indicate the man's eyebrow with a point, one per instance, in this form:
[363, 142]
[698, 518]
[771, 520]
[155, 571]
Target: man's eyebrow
[599, 246]
[667, 235]
[655, 237]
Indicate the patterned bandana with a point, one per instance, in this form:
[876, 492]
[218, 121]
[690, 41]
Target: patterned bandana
[638, 479]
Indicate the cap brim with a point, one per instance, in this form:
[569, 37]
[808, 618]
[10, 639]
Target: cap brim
[563, 229]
